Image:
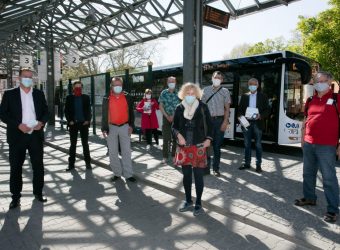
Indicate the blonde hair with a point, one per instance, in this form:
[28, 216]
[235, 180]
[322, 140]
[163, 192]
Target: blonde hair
[147, 91]
[186, 87]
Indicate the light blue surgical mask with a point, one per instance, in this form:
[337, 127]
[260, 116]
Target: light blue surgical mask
[27, 82]
[189, 99]
[321, 86]
[117, 89]
[252, 88]
[171, 85]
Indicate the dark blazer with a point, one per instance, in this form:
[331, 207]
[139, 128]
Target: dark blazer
[180, 123]
[69, 108]
[105, 112]
[261, 103]
[11, 112]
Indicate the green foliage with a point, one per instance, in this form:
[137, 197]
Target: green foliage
[268, 46]
[321, 40]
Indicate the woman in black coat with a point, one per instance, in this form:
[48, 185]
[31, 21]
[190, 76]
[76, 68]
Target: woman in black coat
[193, 130]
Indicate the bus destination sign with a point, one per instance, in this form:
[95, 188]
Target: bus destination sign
[216, 17]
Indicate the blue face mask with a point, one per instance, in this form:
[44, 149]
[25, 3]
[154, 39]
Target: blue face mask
[252, 88]
[189, 99]
[27, 82]
[117, 89]
[171, 85]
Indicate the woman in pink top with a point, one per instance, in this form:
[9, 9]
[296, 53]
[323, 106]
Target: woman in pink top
[148, 106]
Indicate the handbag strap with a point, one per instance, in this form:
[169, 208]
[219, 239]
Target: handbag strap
[213, 95]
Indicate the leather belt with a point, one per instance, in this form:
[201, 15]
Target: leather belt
[118, 125]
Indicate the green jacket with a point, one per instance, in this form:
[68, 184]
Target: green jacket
[105, 112]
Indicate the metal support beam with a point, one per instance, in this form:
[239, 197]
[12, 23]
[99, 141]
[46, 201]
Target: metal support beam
[192, 45]
[50, 82]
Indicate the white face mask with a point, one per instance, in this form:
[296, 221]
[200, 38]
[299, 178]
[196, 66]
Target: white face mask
[171, 85]
[148, 96]
[321, 86]
[117, 89]
[216, 82]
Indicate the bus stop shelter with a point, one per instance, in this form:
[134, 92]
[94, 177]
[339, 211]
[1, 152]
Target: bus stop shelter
[98, 27]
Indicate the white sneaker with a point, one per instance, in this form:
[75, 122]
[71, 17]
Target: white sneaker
[148, 147]
[164, 161]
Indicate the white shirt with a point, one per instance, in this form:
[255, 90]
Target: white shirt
[252, 100]
[27, 105]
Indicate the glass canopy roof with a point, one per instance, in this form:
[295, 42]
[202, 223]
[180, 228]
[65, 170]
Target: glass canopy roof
[98, 26]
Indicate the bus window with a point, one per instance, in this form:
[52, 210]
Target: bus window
[293, 95]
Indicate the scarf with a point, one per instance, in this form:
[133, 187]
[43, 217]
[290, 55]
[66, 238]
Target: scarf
[189, 110]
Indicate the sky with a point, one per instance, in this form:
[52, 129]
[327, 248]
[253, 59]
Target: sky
[272, 23]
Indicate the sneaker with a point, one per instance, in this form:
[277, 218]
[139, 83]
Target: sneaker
[148, 147]
[115, 178]
[258, 169]
[197, 210]
[132, 179]
[186, 206]
[164, 161]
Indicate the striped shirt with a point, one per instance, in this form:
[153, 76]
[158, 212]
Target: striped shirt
[218, 101]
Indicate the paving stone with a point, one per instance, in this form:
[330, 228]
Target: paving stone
[85, 210]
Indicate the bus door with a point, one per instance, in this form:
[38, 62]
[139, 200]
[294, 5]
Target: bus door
[294, 92]
[269, 77]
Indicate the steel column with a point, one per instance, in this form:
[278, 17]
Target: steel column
[192, 41]
[50, 82]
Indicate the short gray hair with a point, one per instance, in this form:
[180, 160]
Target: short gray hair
[253, 80]
[325, 74]
[116, 79]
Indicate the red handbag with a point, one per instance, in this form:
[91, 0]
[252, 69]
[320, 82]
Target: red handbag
[191, 155]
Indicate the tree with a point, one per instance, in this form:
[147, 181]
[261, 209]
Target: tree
[131, 57]
[268, 46]
[237, 51]
[321, 40]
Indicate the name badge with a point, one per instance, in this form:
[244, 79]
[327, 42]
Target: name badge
[330, 101]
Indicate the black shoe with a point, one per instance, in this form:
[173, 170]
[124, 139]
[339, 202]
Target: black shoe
[206, 173]
[14, 203]
[186, 206]
[70, 168]
[132, 179]
[88, 165]
[115, 178]
[40, 198]
[217, 173]
[243, 167]
[258, 169]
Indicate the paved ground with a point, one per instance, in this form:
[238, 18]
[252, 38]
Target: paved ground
[243, 209]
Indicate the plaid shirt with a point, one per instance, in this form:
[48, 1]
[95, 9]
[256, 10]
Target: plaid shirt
[169, 101]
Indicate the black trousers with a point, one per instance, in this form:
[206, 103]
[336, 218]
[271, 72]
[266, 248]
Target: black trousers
[84, 135]
[148, 135]
[17, 154]
[187, 182]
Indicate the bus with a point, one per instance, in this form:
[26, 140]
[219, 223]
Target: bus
[283, 76]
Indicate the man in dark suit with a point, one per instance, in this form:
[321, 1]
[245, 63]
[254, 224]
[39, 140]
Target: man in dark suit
[25, 112]
[78, 116]
[254, 106]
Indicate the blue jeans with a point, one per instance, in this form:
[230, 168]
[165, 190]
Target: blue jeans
[320, 156]
[218, 137]
[248, 134]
